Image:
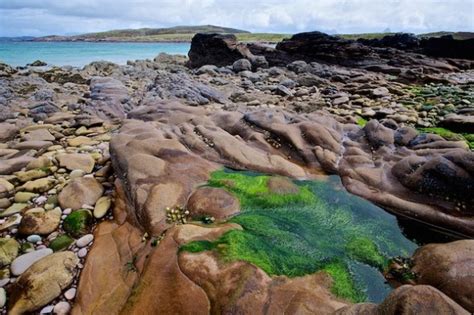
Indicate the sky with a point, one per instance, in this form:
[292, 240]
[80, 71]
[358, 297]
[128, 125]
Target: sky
[67, 17]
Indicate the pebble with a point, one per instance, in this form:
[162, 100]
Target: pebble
[82, 253]
[4, 282]
[62, 308]
[102, 206]
[3, 297]
[85, 240]
[23, 262]
[34, 238]
[67, 211]
[41, 200]
[70, 294]
[47, 309]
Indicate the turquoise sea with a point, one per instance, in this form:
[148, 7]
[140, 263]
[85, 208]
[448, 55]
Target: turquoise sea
[81, 53]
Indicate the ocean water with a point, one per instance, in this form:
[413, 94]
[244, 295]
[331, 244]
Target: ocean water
[79, 54]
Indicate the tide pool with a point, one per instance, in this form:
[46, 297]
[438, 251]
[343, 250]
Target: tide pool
[79, 54]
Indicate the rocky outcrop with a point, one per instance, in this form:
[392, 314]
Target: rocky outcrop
[424, 178]
[216, 49]
[448, 47]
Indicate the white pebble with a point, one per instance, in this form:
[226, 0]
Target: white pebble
[84, 206]
[67, 211]
[70, 294]
[82, 253]
[40, 247]
[4, 282]
[63, 216]
[41, 200]
[85, 240]
[47, 309]
[14, 231]
[62, 308]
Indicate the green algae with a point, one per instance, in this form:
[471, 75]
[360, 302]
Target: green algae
[320, 227]
[78, 222]
[361, 122]
[61, 243]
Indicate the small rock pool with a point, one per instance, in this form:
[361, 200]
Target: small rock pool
[295, 228]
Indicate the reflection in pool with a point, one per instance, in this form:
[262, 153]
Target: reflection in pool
[295, 228]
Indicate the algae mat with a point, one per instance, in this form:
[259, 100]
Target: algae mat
[295, 228]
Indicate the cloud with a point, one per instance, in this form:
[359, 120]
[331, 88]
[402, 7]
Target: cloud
[33, 17]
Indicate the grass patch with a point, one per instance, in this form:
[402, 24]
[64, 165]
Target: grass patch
[318, 227]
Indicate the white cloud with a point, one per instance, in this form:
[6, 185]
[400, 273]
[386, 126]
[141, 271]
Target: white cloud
[33, 17]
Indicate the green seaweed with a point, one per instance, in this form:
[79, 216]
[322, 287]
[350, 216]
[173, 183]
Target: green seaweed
[361, 122]
[319, 227]
[60, 243]
[344, 285]
[451, 136]
[365, 250]
[78, 222]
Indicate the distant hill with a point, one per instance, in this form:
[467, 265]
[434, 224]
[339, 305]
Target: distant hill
[177, 33]
[456, 35]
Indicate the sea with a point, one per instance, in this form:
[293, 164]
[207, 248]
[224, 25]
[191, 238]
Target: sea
[79, 54]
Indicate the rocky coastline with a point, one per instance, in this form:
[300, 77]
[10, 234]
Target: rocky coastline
[156, 186]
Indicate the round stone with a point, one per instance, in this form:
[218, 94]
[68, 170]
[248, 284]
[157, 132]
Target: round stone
[85, 240]
[34, 238]
[62, 308]
[82, 253]
[70, 294]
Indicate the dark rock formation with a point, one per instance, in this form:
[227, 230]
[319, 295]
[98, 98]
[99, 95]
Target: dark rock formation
[448, 47]
[216, 49]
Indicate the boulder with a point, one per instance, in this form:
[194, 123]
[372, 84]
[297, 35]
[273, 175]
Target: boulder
[80, 191]
[448, 267]
[213, 202]
[242, 65]
[422, 299]
[40, 222]
[216, 49]
[458, 123]
[42, 282]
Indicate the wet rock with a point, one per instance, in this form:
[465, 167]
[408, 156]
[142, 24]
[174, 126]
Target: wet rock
[42, 282]
[80, 191]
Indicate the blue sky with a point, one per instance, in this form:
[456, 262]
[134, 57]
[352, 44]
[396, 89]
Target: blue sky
[46, 17]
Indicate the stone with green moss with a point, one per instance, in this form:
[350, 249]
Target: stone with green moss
[61, 243]
[78, 223]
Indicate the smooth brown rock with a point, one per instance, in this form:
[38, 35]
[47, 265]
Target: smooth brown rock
[80, 191]
[449, 268]
[42, 282]
[420, 299]
[76, 161]
[214, 202]
[42, 222]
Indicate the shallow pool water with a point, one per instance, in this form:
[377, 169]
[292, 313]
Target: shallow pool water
[312, 226]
